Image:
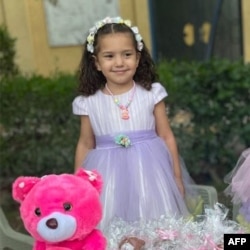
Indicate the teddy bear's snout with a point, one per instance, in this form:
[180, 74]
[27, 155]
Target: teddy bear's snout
[52, 223]
[57, 227]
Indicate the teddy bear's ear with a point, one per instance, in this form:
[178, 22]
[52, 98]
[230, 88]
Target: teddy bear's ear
[92, 176]
[22, 186]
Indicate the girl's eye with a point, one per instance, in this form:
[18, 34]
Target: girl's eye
[108, 56]
[128, 54]
[38, 212]
[67, 206]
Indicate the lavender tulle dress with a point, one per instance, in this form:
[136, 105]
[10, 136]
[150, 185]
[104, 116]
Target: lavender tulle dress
[138, 179]
[239, 184]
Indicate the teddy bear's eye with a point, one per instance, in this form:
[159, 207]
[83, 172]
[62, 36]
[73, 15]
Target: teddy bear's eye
[38, 211]
[67, 206]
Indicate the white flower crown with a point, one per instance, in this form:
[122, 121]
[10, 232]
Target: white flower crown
[101, 23]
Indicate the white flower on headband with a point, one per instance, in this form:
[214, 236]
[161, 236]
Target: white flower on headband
[138, 38]
[99, 24]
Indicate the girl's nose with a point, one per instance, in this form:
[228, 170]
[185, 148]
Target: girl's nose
[118, 61]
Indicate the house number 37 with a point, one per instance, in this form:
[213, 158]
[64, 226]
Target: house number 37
[189, 33]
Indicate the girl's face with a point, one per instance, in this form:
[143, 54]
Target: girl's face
[117, 58]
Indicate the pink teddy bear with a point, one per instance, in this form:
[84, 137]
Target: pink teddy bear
[61, 212]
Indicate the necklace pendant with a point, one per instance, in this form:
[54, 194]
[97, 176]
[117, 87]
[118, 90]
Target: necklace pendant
[125, 114]
[123, 108]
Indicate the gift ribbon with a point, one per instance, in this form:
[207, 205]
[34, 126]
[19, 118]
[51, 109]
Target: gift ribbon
[199, 248]
[210, 243]
[167, 234]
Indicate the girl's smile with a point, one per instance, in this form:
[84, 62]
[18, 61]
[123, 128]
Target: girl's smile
[119, 71]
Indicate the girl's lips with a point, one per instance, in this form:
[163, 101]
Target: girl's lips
[120, 71]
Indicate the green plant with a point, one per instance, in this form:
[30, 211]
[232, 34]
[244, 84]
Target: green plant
[38, 130]
[7, 54]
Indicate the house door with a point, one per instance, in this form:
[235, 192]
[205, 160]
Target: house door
[195, 29]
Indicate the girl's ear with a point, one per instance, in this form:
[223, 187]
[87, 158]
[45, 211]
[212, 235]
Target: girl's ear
[97, 63]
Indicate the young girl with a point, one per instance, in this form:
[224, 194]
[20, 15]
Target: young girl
[125, 133]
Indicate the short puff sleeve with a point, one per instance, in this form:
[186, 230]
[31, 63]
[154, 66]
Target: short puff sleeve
[159, 92]
[79, 106]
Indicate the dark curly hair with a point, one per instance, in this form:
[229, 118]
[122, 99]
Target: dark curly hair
[91, 80]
